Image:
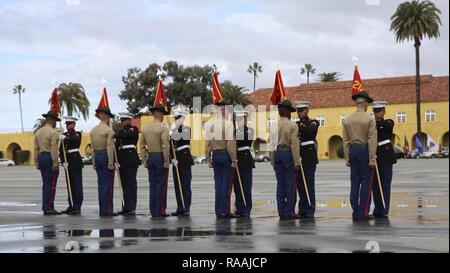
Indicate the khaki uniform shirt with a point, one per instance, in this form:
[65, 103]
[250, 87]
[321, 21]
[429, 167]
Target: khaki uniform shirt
[360, 128]
[220, 136]
[287, 136]
[155, 139]
[46, 140]
[102, 139]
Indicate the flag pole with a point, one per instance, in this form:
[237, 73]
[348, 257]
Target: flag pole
[118, 174]
[65, 164]
[304, 182]
[239, 176]
[178, 173]
[379, 184]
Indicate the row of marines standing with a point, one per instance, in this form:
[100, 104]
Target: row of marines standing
[229, 155]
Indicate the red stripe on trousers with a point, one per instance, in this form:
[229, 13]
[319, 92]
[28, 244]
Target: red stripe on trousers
[111, 184]
[366, 209]
[166, 179]
[52, 195]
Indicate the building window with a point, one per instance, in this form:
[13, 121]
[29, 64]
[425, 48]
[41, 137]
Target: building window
[430, 116]
[401, 117]
[321, 120]
[341, 120]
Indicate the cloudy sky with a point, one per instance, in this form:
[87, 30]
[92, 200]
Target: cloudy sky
[84, 41]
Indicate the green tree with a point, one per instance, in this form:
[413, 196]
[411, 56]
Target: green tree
[233, 94]
[309, 70]
[330, 77]
[19, 89]
[40, 122]
[254, 69]
[415, 21]
[73, 99]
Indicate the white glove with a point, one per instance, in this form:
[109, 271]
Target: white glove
[174, 162]
[65, 165]
[62, 137]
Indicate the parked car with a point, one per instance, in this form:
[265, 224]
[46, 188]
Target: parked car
[399, 154]
[87, 160]
[414, 154]
[430, 154]
[6, 162]
[200, 160]
[444, 153]
[262, 157]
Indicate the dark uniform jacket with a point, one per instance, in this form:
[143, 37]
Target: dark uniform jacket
[127, 157]
[244, 137]
[178, 138]
[72, 141]
[307, 131]
[385, 153]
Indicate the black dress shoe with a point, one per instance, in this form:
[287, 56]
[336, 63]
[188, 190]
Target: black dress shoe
[186, 214]
[287, 218]
[305, 216]
[129, 213]
[381, 216]
[51, 212]
[176, 213]
[223, 216]
[74, 212]
[113, 214]
[161, 216]
[67, 211]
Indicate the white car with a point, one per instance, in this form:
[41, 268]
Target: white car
[200, 160]
[6, 162]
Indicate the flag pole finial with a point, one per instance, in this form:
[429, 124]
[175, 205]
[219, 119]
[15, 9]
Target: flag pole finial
[277, 65]
[355, 60]
[55, 83]
[104, 82]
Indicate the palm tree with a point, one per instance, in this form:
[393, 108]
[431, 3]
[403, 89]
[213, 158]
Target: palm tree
[254, 69]
[73, 98]
[308, 69]
[414, 21]
[233, 94]
[330, 77]
[40, 122]
[19, 89]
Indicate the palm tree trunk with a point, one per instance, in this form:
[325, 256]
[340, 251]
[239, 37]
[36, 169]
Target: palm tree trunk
[20, 106]
[307, 77]
[254, 82]
[418, 111]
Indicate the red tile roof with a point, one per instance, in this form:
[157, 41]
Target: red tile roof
[398, 90]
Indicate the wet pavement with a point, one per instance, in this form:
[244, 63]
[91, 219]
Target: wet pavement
[418, 223]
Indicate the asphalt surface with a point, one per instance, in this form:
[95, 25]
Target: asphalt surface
[418, 222]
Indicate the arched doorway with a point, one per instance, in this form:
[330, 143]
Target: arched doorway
[11, 152]
[422, 138]
[444, 140]
[259, 145]
[88, 150]
[334, 145]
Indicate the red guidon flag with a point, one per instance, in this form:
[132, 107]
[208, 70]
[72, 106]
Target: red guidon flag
[103, 101]
[160, 97]
[217, 94]
[357, 83]
[54, 102]
[278, 92]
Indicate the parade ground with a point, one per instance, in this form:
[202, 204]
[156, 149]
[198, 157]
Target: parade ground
[419, 220]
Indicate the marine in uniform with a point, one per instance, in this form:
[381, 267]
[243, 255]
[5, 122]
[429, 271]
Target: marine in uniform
[180, 141]
[220, 152]
[244, 140]
[74, 165]
[46, 159]
[360, 146]
[103, 160]
[307, 132]
[385, 159]
[285, 159]
[154, 148]
[126, 140]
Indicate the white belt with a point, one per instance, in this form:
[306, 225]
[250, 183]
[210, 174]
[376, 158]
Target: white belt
[306, 143]
[131, 146]
[243, 148]
[73, 151]
[381, 143]
[182, 147]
